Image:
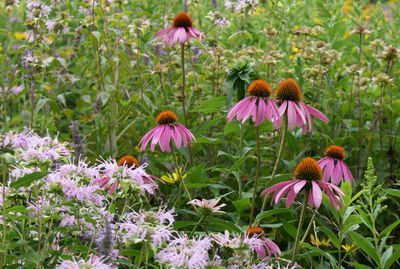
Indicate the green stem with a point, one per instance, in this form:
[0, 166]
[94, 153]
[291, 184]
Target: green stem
[141, 254]
[284, 129]
[240, 156]
[4, 212]
[183, 96]
[308, 227]
[253, 202]
[197, 225]
[301, 220]
[340, 244]
[180, 177]
[138, 65]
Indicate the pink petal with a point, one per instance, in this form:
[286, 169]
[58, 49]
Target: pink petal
[323, 162]
[316, 113]
[146, 138]
[317, 194]
[337, 174]
[346, 171]
[291, 112]
[311, 202]
[282, 108]
[297, 188]
[157, 136]
[329, 169]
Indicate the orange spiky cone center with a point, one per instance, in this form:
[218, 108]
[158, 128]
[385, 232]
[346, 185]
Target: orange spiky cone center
[259, 88]
[182, 20]
[166, 117]
[129, 161]
[308, 169]
[289, 90]
[335, 152]
[255, 230]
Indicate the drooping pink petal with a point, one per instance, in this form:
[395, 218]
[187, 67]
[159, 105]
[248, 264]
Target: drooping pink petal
[279, 194]
[346, 171]
[317, 194]
[323, 162]
[316, 113]
[332, 198]
[329, 169]
[233, 111]
[176, 135]
[282, 108]
[113, 187]
[297, 188]
[278, 186]
[157, 136]
[291, 113]
[146, 138]
[301, 114]
[337, 174]
[290, 198]
[311, 202]
[262, 112]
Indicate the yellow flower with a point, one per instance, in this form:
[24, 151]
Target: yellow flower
[295, 50]
[347, 8]
[317, 20]
[174, 177]
[347, 247]
[347, 34]
[47, 88]
[366, 36]
[296, 27]
[86, 118]
[344, 19]
[319, 243]
[257, 12]
[68, 52]
[21, 36]
[50, 40]
[1, 48]
[291, 57]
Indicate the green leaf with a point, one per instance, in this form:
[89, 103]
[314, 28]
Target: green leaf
[272, 212]
[386, 255]
[210, 105]
[231, 127]
[19, 209]
[365, 245]
[393, 192]
[129, 252]
[331, 235]
[323, 253]
[357, 265]
[389, 229]
[183, 224]
[241, 205]
[223, 225]
[289, 228]
[395, 256]
[28, 179]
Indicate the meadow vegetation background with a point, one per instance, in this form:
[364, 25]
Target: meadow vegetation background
[82, 82]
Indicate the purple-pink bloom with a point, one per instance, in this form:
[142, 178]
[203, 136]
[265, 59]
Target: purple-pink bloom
[308, 176]
[298, 114]
[334, 167]
[167, 128]
[181, 31]
[261, 243]
[257, 105]
[211, 206]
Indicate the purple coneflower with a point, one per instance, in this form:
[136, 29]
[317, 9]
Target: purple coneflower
[290, 97]
[167, 128]
[307, 175]
[182, 30]
[335, 167]
[206, 206]
[263, 243]
[257, 105]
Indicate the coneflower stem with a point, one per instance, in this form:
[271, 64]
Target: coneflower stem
[309, 227]
[284, 129]
[180, 177]
[340, 243]
[197, 225]
[4, 212]
[301, 220]
[163, 90]
[253, 202]
[183, 95]
[138, 65]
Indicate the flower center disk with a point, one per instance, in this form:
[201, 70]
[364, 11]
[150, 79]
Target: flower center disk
[308, 169]
[259, 88]
[335, 152]
[182, 20]
[166, 117]
[129, 161]
[289, 90]
[254, 230]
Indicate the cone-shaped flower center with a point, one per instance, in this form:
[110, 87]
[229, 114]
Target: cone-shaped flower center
[259, 88]
[166, 117]
[335, 152]
[254, 230]
[129, 161]
[182, 20]
[308, 169]
[289, 90]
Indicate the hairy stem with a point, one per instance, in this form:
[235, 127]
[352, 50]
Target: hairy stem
[253, 202]
[284, 129]
[301, 220]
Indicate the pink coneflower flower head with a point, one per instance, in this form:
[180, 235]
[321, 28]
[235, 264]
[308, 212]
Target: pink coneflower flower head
[263, 243]
[290, 97]
[334, 167]
[308, 176]
[167, 128]
[257, 105]
[207, 208]
[181, 31]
